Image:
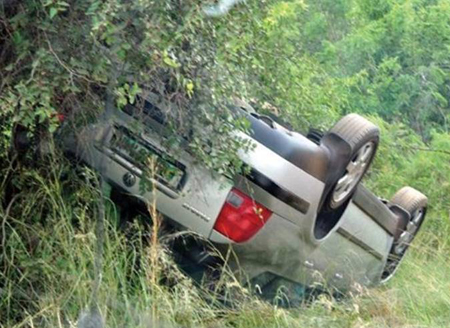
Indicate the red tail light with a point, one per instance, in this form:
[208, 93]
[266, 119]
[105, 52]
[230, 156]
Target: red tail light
[241, 217]
[60, 117]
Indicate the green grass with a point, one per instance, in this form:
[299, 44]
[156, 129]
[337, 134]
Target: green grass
[47, 274]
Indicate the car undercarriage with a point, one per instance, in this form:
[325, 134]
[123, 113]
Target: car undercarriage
[297, 213]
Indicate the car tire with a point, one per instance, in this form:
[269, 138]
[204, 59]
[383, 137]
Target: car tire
[363, 137]
[415, 203]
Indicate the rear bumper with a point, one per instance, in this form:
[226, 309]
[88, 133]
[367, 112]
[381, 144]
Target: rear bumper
[195, 207]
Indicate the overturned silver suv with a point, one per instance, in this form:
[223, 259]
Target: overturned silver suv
[298, 214]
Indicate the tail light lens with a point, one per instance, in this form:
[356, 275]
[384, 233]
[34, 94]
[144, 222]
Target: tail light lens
[241, 217]
[61, 117]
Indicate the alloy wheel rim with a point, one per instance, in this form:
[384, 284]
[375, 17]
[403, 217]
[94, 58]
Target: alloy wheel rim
[407, 236]
[353, 172]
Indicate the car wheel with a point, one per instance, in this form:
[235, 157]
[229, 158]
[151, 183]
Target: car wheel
[415, 203]
[363, 138]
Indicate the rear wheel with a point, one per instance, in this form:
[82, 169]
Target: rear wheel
[363, 138]
[415, 203]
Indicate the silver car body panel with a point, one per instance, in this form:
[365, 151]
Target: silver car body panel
[355, 250]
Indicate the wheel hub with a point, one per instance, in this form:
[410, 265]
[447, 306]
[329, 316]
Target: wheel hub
[353, 172]
[408, 235]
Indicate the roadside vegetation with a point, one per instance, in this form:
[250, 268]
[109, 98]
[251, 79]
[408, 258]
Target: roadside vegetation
[307, 62]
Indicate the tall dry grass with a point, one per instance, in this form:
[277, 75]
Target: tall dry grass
[48, 274]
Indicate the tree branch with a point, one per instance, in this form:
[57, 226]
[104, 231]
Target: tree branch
[425, 149]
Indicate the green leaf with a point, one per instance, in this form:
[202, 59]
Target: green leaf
[52, 128]
[190, 88]
[53, 12]
[169, 61]
[17, 37]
